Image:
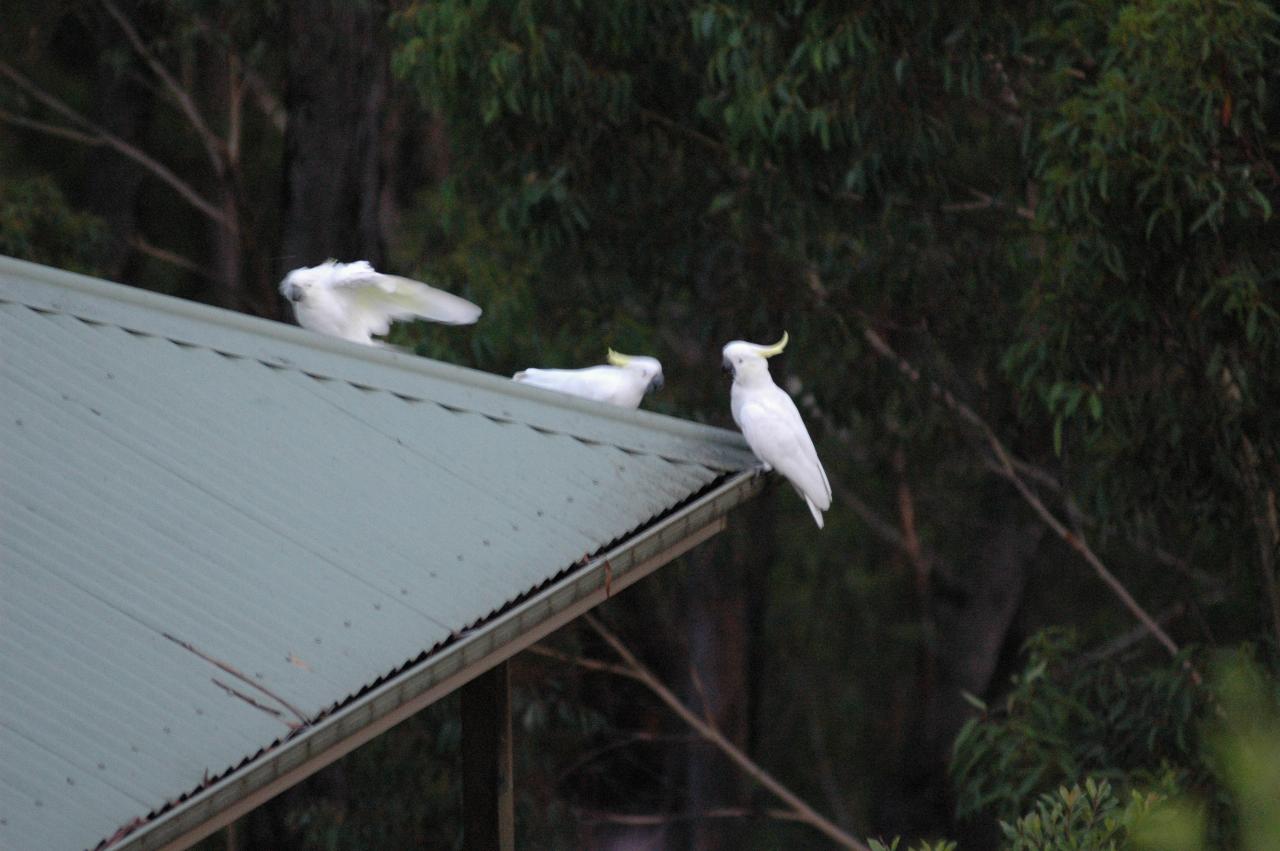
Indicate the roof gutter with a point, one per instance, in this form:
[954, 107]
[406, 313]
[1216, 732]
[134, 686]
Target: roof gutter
[444, 671]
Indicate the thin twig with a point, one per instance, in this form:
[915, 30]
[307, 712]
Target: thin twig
[1005, 467]
[186, 104]
[267, 101]
[119, 145]
[984, 201]
[712, 734]
[874, 521]
[1123, 642]
[50, 129]
[230, 669]
[1080, 517]
[822, 758]
[173, 258]
[583, 662]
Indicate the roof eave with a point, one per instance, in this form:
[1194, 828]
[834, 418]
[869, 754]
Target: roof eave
[442, 672]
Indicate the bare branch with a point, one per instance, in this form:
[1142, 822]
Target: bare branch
[1005, 467]
[235, 110]
[1081, 517]
[802, 811]
[50, 129]
[173, 258]
[1121, 643]
[267, 101]
[984, 201]
[583, 661]
[186, 104]
[119, 145]
[868, 515]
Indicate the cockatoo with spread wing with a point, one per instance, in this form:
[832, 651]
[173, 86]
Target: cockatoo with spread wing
[771, 423]
[623, 382]
[355, 302]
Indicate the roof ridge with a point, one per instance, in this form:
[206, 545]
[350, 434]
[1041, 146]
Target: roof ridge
[281, 346]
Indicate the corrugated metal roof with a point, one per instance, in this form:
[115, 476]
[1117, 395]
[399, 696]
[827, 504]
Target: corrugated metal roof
[217, 533]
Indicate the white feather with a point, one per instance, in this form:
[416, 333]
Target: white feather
[623, 386]
[356, 303]
[772, 426]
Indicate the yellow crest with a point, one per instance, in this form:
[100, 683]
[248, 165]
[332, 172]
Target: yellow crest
[776, 348]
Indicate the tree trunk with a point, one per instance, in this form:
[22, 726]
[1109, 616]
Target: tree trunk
[971, 615]
[725, 591]
[337, 86]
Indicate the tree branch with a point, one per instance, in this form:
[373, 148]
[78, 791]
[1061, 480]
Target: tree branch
[214, 146]
[583, 662]
[268, 103]
[105, 137]
[984, 201]
[802, 811]
[50, 129]
[1005, 467]
[171, 257]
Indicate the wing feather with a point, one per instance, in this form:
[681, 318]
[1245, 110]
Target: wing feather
[773, 428]
[380, 299]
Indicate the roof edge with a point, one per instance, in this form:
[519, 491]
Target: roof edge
[289, 346]
[444, 671]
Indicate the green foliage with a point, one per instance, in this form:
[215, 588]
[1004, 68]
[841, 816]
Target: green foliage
[1063, 719]
[1151, 335]
[1201, 763]
[1064, 210]
[709, 171]
[1091, 818]
[37, 224]
[941, 845]
[1243, 753]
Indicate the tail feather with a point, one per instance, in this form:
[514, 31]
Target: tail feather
[814, 510]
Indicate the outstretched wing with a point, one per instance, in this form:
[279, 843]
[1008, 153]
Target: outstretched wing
[772, 426]
[373, 300]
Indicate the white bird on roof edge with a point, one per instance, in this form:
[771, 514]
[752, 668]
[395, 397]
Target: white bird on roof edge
[623, 382]
[771, 422]
[355, 302]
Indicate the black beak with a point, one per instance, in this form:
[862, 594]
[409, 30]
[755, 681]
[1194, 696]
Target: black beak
[294, 293]
[726, 366]
[655, 384]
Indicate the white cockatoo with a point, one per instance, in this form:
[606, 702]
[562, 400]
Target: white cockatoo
[623, 382]
[771, 423]
[355, 302]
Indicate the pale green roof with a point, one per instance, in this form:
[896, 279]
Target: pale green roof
[231, 549]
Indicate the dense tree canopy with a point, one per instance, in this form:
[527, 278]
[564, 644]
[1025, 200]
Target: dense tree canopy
[1028, 260]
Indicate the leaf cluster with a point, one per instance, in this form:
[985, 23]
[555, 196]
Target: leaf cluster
[1064, 719]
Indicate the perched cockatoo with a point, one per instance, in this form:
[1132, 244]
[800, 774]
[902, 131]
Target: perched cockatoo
[355, 302]
[771, 423]
[623, 383]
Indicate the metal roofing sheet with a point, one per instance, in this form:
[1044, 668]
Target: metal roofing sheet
[214, 530]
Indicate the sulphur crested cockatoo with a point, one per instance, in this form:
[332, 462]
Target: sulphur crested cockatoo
[771, 423]
[355, 302]
[623, 382]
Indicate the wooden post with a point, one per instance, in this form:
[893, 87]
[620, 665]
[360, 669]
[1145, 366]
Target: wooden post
[488, 811]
